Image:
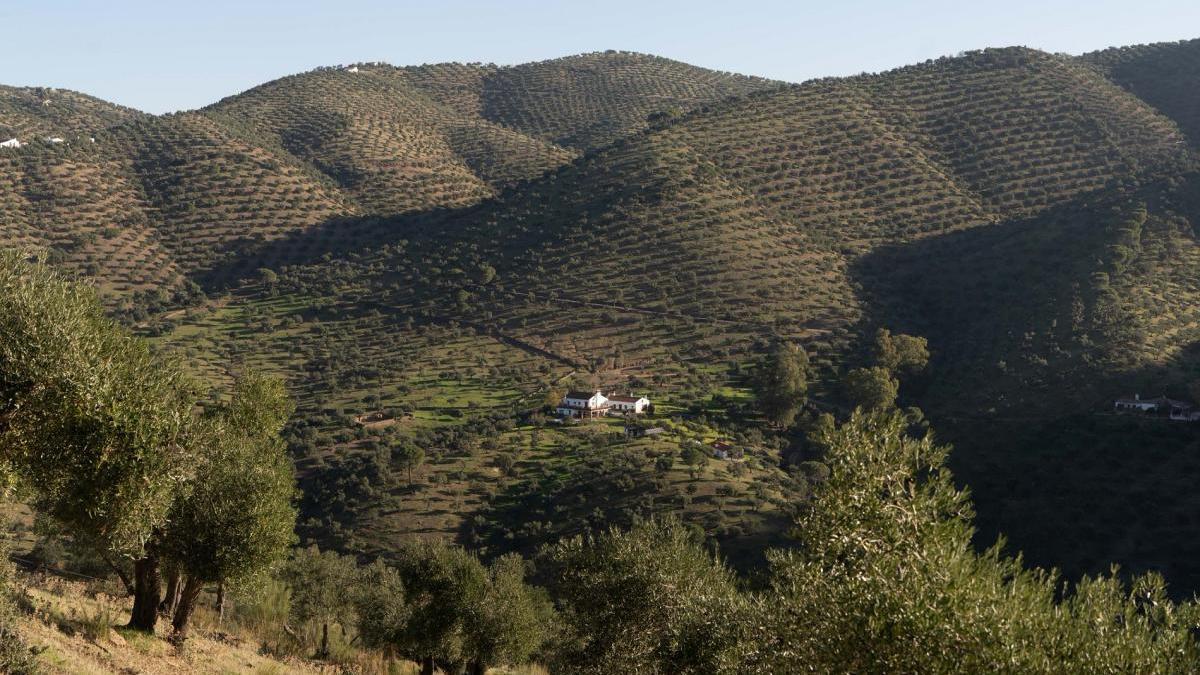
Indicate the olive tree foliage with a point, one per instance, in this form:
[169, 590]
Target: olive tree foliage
[901, 353]
[90, 420]
[871, 388]
[781, 382]
[381, 605]
[886, 580]
[238, 518]
[511, 620]
[459, 612]
[320, 583]
[650, 600]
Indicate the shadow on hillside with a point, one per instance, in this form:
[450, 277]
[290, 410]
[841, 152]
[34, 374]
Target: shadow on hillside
[606, 488]
[335, 238]
[1034, 330]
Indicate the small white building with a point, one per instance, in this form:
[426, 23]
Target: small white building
[11, 143]
[54, 139]
[629, 404]
[1135, 403]
[583, 404]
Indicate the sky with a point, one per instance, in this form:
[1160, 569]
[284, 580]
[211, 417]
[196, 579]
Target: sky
[166, 55]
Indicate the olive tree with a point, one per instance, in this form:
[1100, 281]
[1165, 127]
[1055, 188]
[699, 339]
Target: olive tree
[319, 582]
[90, 420]
[238, 518]
[781, 382]
[463, 614]
[871, 388]
[886, 578]
[510, 621]
[381, 605]
[901, 353]
[650, 600]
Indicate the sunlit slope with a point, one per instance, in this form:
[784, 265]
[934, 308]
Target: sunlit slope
[34, 113]
[213, 193]
[590, 100]
[82, 206]
[391, 146]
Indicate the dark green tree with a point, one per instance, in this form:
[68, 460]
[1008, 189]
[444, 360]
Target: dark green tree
[510, 622]
[410, 456]
[781, 382]
[871, 388]
[899, 353]
[650, 600]
[319, 582]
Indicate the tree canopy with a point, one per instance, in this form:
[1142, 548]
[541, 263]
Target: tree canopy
[94, 423]
[871, 388]
[901, 353]
[782, 382]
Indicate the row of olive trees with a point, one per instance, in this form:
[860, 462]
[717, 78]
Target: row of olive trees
[105, 438]
[884, 579]
[432, 603]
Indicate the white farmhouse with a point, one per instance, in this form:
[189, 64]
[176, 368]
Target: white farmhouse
[54, 139]
[629, 404]
[582, 404]
[11, 143]
[1136, 402]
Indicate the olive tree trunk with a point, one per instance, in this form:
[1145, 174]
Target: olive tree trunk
[427, 665]
[187, 603]
[221, 600]
[171, 599]
[147, 593]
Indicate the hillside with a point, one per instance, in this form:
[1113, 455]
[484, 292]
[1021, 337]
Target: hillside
[386, 143]
[664, 262]
[409, 139]
[432, 253]
[34, 113]
[1158, 73]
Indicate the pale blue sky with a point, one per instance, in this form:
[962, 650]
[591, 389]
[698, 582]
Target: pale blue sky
[167, 55]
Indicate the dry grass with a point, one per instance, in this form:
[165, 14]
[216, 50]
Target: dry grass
[81, 634]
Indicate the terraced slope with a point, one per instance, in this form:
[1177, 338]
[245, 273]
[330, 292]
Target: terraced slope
[474, 238]
[1023, 129]
[408, 139]
[1161, 74]
[81, 206]
[751, 210]
[33, 113]
[591, 100]
[211, 192]
[1035, 326]
[153, 199]
[388, 144]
